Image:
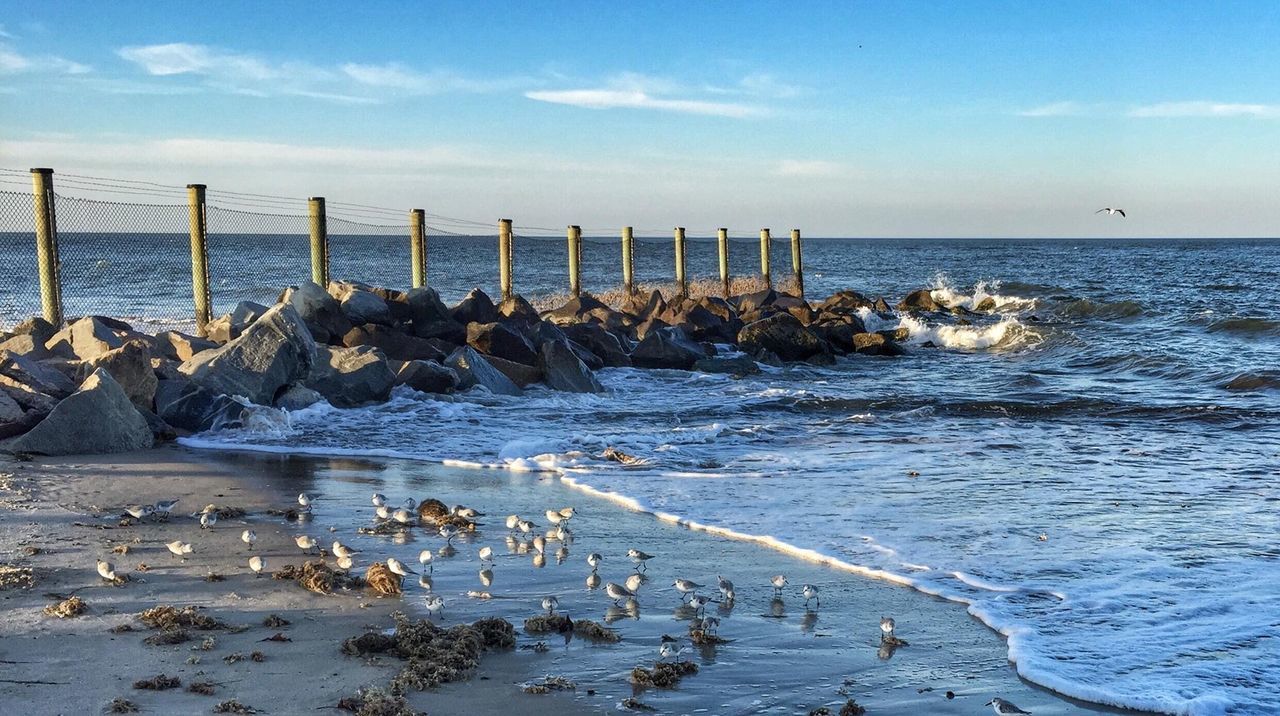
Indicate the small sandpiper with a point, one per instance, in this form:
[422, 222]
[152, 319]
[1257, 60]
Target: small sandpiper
[139, 512]
[886, 627]
[554, 517]
[164, 507]
[257, 564]
[467, 513]
[486, 554]
[383, 512]
[180, 549]
[208, 519]
[249, 537]
[106, 570]
[670, 650]
[397, 567]
[435, 605]
[424, 558]
[617, 592]
[726, 588]
[526, 526]
[640, 558]
[568, 512]
[810, 592]
[686, 587]
[699, 602]
[306, 543]
[540, 544]
[305, 499]
[550, 604]
[341, 550]
[513, 522]
[594, 559]
[778, 581]
[1004, 708]
[635, 581]
[345, 563]
[403, 516]
[379, 499]
[448, 532]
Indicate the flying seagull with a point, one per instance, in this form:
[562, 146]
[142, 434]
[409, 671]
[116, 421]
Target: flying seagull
[1111, 211]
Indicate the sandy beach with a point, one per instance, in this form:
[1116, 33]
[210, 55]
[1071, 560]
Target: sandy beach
[59, 516]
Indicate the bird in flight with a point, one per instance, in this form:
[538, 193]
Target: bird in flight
[1111, 211]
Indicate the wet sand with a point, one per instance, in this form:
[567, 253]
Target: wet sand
[780, 657]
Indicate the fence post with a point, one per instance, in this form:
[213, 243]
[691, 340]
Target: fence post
[319, 241]
[505, 255]
[575, 261]
[723, 241]
[628, 262]
[764, 257]
[797, 262]
[199, 256]
[47, 261]
[418, 247]
[682, 285]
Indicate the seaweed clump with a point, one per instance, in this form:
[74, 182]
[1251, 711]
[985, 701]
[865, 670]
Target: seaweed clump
[633, 704]
[435, 655]
[72, 607]
[550, 684]
[168, 637]
[435, 513]
[120, 705]
[318, 577]
[274, 621]
[233, 707]
[165, 616]
[382, 580]
[159, 682]
[560, 624]
[664, 675]
[374, 701]
[594, 631]
[851, 708]
[204, 688]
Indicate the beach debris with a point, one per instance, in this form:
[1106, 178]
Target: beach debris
[550, 684]
[214, 577]
[120, 549]
[375, 701]
[120, 705]
[545, 623]
[166, 616]
[256, 656]
[475, 594]
[664, 674]
[616, 455]
[275, 621]
[72, 607]
[851, 708]
[701, 636]
[278, 636]
[204, 688]
[820, 711]
[318, 577]
[208, 643]
[121, 628]
[633, 704]
[435, 655]
[433, 510]
[160, 682]
[289, 513]
[382, 580]
[594, 631]
[233, 707]
[892, 641]
[167, 637]
[15, 577]
[32, 550]
[224, 512]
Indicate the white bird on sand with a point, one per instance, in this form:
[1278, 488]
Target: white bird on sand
[424, 558]
[635, 582]
[486, 554]
[526, 526]
[726, 588]
[640, 558]
[208, 519]
[345, 563]
[686, 586]
[383, 512]
[512, 522]
[1004, 708]
[468, 513]
[887, 626]
[540, 544]
[249, 537]
[341, 550]
[403, 516]
[448, 532]
[778, 581]
[670, 650]
[568, 512]
[435, 605]
[106, 570]
[306, 543]
[554, 517]
[1110, 212]
[139, 512]
[617, 592]
[305, 499]
[164, 507]
[379, 499]
[397, 567]
[699, 602]
[810, 592]
[550, 604]
[594, 559]
[179, 548]
[257, 564]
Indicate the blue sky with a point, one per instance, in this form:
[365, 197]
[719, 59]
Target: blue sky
[852, 118]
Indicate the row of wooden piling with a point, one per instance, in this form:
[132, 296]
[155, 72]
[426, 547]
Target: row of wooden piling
[51, 287]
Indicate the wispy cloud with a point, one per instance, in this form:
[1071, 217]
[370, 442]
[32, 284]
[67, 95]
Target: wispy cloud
[5, 34]
[1055, 109]
[636, 91]
[13, 62]
[809, 168]
[1207, 109]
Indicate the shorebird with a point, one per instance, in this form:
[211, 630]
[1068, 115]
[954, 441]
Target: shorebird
[486, 577]
[345, 563]
[568, 512]
[1110, 212]
[164, 507]
[617, 592]
[594, 559]
[526, 526]
[670, 649]
[564, 534]
[424, 558]
[467, 513]
[540, 544]
[208, 519]
[635, 582]
[305, 499]
[513, 521]
[179, 549]
[383, 512]
[306, 543]
[778, 581]
[106, 570]
[341, 550]
[486, 554]
[554, 517]
[425, 582]
[397, 567]
[257, 564]
[403, 516]
[378, 499]
[686, 586]
[550, 604]
[810, 592]
[139, 512]
[887, 626]
[249, 537]
[699, 602]
[1004, 708]
[593, 580]
[435, 605]
[410, 503]
[448, 532]
[709, 624]
[639, 558]
[726, 588]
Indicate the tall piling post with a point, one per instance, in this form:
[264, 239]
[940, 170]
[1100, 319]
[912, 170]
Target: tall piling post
[575, 261]
[797, 261]
[628, 261]
[764, 257]
[418, 247]
[319, 241]
[505, 257]
[47, 264]
[198, 221]
[722, 240]
[682, 284]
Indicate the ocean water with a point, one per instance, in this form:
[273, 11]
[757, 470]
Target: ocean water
[1091, 470]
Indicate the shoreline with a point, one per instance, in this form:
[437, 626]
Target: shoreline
[255, 481]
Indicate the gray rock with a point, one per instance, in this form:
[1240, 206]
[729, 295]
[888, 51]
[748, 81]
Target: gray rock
[517, 311]
[496, 339]
[180, 346]
[320, 311]
[275, 352]
[10, 411]
[130, 366]
[737, 365]
[396, 344]
[473, 370]
[27, 345]
[921, 300]
[477, 307]
[86, 338]
[600, 342]
[562, 370]
[361, 307]
[427, 377]
[243, 316]
[97, 419]
[219, 330]
[36, 375]
[350, 377]
[186, 406]
[298, 397]
[667, 348]
[876, 344]
[32, 401]
[425, 306]
[39, 329]
[784, 335]
[519, 373]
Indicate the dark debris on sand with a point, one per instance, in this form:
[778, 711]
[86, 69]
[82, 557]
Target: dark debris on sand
[165, 616]
[435, 655]
[122, 706]
[702, 637]
[275, 621]
[233, 707]
[560, 624]
[160, 682]
[633, 704]
[168, 637]
[851, 708]
[204, 688]
[72, 607]
[550, 684]
[664, 675]
[318, 577]
[893, 641]
[374, 701]
[225, 512]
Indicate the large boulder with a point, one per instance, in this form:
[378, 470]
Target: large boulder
[519, 373]
[473, 370]
[320, 311]
[36, 375]
[562, 370]
[839, 334]
[188, 407]
[601, 342]
[298, 397]
[518, 311]
[667, 348]
[496, 339]
[396, 344]
[86, 338]
[350, 377]
[243, 315]
[180, 346]
[425, 306]
[876, 344]
[845, 302]
[29, 337]
[752, 302]
[575, 310]
[98, 418]
[477, 307]
[738, 365]
[130, 366]
[361, 307]
[784, 335]
[274, 352]
[698, 321]
[427, 377]
[10, 411]
[921, 300]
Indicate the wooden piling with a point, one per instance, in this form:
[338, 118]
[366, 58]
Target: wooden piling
[319, 241]
[575, 261]
[628, 261]
[47, 263]
[682, 284]
[199, 228]
[764, 257]
[418, 247]
[797, 261]
[723, 245]
[505, 257]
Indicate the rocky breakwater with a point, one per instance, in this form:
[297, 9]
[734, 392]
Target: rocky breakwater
[99, 386]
